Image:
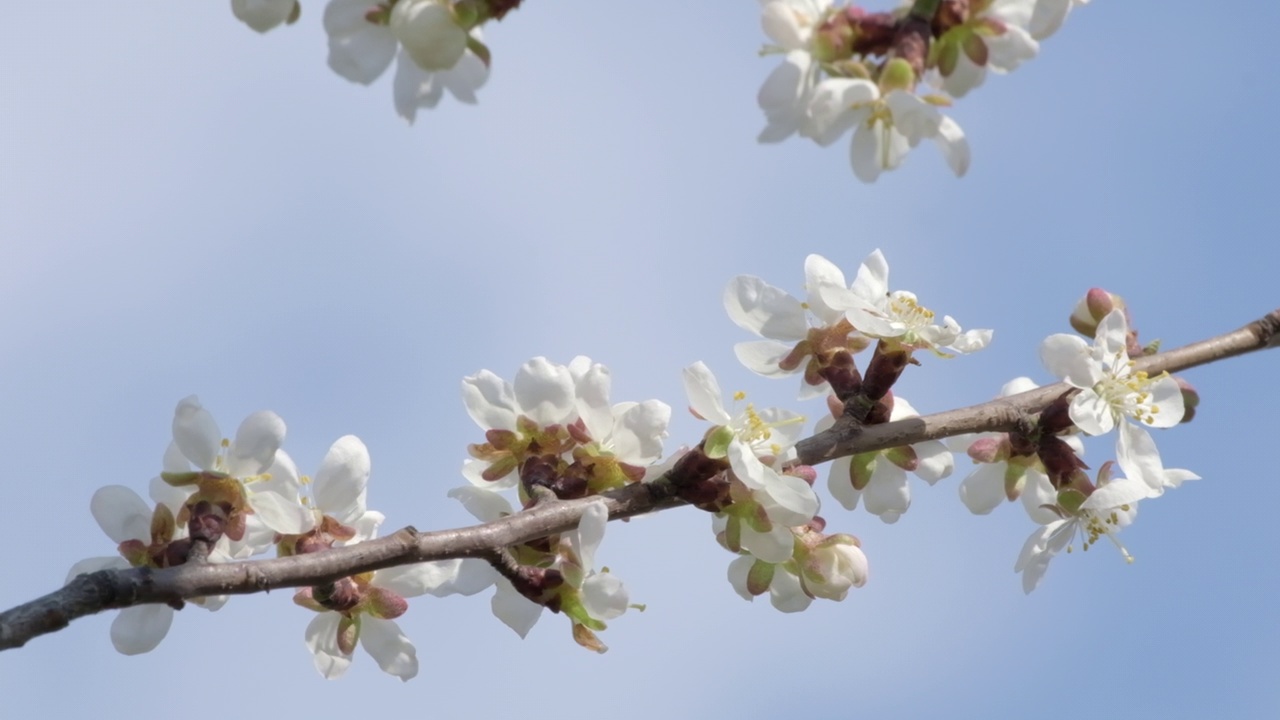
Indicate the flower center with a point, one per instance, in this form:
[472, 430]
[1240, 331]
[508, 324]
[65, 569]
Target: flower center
[908, 311]
[1128, 392]
[1094, 525]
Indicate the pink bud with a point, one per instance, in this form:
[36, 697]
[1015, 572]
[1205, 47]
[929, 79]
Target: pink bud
[1095, 305]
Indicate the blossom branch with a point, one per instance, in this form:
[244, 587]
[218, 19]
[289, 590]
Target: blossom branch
[114, 589]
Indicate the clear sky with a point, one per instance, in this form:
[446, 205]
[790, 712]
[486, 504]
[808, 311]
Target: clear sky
[189, 207]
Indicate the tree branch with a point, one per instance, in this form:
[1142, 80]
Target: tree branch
[114, 589]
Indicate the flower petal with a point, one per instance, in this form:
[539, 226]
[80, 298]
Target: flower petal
[544, 391]
[121, 514]
[340, 483]
[322, 638]
[758, 307]
[704, 394]
[383, 641]
[257, 440]
[513, 609]
[195, 433]
[140, 628]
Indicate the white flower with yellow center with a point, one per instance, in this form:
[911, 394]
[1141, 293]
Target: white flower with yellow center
[898, 315]
[887, 120]
[1110, 389]
[1079, 520]
[754, 442]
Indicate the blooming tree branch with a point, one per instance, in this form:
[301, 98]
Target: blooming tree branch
[106, 589]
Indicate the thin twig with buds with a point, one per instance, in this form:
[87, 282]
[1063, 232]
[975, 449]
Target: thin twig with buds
[113, 589]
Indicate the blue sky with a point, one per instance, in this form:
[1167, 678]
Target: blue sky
[188, 207]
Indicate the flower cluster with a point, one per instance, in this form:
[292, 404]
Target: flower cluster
[553, 435]
[845, 68]
[219, 499]
[1042, 464]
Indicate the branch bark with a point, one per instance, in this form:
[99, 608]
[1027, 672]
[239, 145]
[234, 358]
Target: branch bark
[114, 589]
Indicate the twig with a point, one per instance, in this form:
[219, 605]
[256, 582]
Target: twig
[113, 589]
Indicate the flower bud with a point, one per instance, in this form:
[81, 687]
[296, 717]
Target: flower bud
[1095, 305]
[263, 15]
[833, 566]
[429, 32]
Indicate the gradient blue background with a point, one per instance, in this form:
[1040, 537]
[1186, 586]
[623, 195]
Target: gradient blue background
[188, 207]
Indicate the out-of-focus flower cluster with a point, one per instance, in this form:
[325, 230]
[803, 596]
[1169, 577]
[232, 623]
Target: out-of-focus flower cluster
[436, 44]
[845, 68]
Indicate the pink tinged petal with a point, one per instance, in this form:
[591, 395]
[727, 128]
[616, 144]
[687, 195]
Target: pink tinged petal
[544, 391]
[385, 643]
[94, 564]
[774, 546]
[758, 307]
[195, 433]
[484, 505]
[704, 394]
[359, 50]
[322, 639]
[1167, 398]
[954, 147]
[739, 572]
[840, 484]
[281, 514]
[513, 609]
[414, 88]
[257, 440]
[121, 514]
[935, 461]
[887, 495]
[140, 628]
[1070, 358]
[983, 490]
[604, 596]
[340, 484]
[1092, 413]
[786, 593]
[490, 401]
